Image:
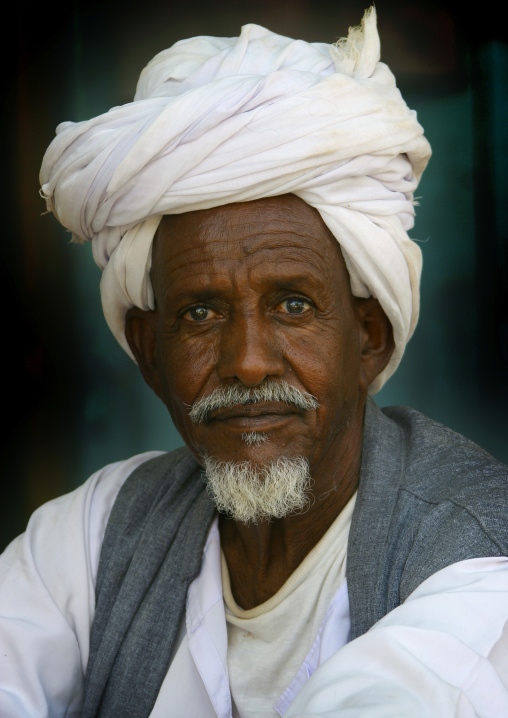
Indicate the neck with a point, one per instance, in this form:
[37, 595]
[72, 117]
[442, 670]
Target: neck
[261, 557]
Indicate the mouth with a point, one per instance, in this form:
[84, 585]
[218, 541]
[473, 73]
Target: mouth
[254, 414]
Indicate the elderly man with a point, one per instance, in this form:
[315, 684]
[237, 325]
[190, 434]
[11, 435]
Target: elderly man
[250, 211]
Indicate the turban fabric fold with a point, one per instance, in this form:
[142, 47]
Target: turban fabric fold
[221, 120]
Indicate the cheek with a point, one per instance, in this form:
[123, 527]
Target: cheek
[327, 360]
[187, 366]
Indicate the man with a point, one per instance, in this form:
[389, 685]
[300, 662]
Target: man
[250, 212]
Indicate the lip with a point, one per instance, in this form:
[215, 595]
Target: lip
[260, 423]
[250, 412]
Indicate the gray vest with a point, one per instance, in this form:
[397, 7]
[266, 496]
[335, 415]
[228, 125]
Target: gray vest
[427, 498]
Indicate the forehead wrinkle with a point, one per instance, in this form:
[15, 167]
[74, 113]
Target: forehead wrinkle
[285, 271]
[208, 276]
[208, 249]
[214, 251]
[227, 222]
[168, 264]
[211, 271]
[249, 240]
[308, 255]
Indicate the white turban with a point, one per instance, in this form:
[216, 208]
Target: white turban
[221, 120]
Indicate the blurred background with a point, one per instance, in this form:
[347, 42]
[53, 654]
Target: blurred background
[74, 401]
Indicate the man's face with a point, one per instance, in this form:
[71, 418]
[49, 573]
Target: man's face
[248, 292]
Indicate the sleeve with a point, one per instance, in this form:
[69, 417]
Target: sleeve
[47, 598]
[443, 652]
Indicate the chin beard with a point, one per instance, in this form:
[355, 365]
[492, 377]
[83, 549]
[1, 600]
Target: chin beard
[250, 493]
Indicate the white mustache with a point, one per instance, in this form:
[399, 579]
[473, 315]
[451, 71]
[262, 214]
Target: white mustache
[230, 395]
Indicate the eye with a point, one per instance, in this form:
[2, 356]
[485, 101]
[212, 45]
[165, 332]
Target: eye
[294, 305]
[199, 314]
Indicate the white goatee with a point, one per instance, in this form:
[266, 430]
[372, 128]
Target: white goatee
[250, 493]
[254, 438]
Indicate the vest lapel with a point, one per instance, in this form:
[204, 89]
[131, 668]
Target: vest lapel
[368, 554]
[151, 553]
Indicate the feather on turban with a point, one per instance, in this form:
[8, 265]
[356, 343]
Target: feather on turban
[221, 120]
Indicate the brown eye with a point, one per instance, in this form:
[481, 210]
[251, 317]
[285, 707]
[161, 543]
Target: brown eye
[295, 305]
[198, 314]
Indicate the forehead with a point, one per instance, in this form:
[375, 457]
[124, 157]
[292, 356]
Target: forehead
[282, 230]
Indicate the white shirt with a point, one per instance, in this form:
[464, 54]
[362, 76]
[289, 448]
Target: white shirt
[444, 652]
[274, 647]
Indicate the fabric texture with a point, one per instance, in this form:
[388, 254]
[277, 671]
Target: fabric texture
[427, 498]
[221, 120]
[437, 655]
[135, 622]
[255, 639]
[47, 605]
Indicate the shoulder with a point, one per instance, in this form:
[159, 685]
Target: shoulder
[440, 464]
[456, 493]
[69, 530]
[47, 594]
[150, 479]
[153, 491]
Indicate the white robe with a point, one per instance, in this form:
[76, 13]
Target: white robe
[444, 652]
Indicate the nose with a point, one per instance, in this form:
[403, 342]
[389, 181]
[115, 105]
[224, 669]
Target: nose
[249, 351]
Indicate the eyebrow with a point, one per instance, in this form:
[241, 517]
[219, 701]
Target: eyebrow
[190, 296]
[278, 280]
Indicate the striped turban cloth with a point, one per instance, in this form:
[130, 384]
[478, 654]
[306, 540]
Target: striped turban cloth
[219, 120]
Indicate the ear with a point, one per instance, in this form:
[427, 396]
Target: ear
[141, 335]
[376, 339]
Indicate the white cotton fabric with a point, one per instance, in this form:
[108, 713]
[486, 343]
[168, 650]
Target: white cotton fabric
[274, 657]
[441, 653]
[221, 120]
[437, 654]
[47, 598]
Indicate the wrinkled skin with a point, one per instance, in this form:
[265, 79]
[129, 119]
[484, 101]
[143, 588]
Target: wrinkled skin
[248, 291]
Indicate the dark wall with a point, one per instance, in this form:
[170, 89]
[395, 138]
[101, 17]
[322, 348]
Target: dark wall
[73, 400]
